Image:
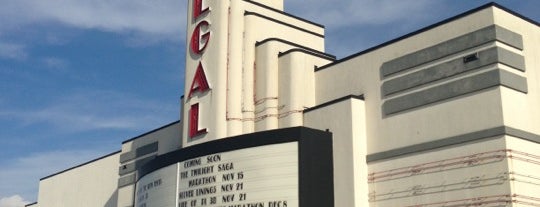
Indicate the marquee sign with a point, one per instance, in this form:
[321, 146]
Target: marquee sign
[258, 176]
[281, 168]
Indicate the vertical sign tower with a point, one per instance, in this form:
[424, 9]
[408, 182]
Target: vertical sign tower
[206, 68]
[228, 43]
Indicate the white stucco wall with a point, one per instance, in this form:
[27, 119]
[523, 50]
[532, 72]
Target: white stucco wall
[345, 119]
[521, 111]
[361, 75]
[90, 185]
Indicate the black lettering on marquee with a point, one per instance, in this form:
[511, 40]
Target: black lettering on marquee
[225, 167]
[204, 173]
[277, 204]
[228, 177]
[227, 187]
[228, 198]
[213, 158]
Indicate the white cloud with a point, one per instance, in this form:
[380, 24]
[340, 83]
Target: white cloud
[57, 64]
[20, 177]
[158, 18]
[353, 12]
[13, 201]
[92, 110]
[12, 51]
[354, 25]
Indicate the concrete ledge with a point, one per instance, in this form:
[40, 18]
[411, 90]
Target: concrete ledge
[139, 152]
[508, 37]
[126, 180]
[469, 137]
[458, 44]
[452, 68]
[453, 89]
[131, 167]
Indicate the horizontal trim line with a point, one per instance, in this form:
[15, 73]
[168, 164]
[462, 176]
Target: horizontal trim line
[34, 203]
[150, 132]
[464, 138]
[320, 55]
[360, 97]
[86, 163]
[462, 15]
[248, 13]
[525, 135]
[454, 89]
[259, 43]
[452, 68]
[284, 13]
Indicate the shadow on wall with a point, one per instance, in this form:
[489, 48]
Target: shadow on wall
[113, 200]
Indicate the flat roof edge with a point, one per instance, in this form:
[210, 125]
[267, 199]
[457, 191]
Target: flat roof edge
[152, 131]
[424, 29]
[80, 165]
[285, 13]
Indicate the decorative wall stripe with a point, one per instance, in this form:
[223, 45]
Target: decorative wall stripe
[522, 178]
[496, 200]
[438, 166]
[455, 163]
[456, 88]
[454, 67]
[139, 152]
[461, 43]
[441, 187]
[474, 136]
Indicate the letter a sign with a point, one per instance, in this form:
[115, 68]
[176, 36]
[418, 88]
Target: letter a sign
[199, 83]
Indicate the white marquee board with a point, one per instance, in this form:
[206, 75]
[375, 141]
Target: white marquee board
[263, 176]
[157, 189]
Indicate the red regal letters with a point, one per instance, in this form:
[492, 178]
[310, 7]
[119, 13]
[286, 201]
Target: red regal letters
[199, 83]
[198, 10]
[199, 41]
[193, 121]
[196, 38]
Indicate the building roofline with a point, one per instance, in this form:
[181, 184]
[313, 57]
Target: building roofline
[527, 19]
[250, 13]
[298, 47]
[83, 164]
[309, 52]
[30, 204]
[459, 16]
[146, 133]
[285, 13]
[332, 102]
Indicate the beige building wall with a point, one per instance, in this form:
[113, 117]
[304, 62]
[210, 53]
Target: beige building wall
[361, 75]
[441, 106]
[89, 185]
[454, 175]
[521, 111]
[345, 118]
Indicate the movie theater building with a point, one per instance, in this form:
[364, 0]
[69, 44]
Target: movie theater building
[448, 115]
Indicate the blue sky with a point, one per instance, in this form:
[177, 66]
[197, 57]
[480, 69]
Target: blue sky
[79, 77]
